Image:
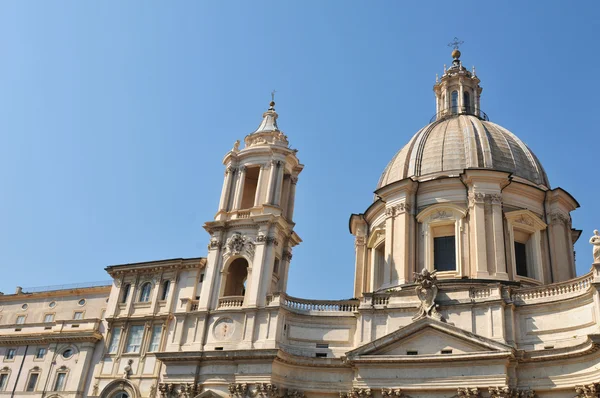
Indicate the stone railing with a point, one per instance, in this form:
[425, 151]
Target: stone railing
[231, 302]
[573, 287]
[381, 299]
[243, 214]
[317, 306]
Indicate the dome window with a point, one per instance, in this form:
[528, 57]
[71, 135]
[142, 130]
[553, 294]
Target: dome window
[467, 102]
[444, 252]
[525, 231]
[454, 99]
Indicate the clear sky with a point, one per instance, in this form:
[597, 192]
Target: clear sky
[115, 116]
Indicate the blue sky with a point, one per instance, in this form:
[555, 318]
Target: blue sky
[115, 116]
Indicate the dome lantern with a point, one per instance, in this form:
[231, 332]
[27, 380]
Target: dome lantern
[458, 91]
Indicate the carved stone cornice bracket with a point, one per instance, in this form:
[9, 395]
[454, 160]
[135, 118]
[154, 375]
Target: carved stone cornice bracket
[588, 390]
[286, 255]
[238, 390]
[266, 390]
[509, 392]
[293, 394]
[183, 390]
[469, 392]
[358, 393]
[392, 393]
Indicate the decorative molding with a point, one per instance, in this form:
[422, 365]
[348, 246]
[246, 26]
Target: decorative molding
[214, 243]
[427, 291]
[392, 392]
[509, 392]
[588, 390]
[286, 255]
[261, 238]
[237, 244]
[266, 390]
[476, 197]
[358, 393]
[239, 390]
[469, 392]
[392, 211]
[524, 219]
[174, 390]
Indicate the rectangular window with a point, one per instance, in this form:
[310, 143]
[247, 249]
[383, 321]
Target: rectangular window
[49, 318]
[114, 341]
[444, 253]
[521, 258]
[249, 187]
[78, 315]
[33, 378]
[10, 353]
[20, 319]
[134, 340]
[155, 340]
[3, 381]
[59, 384]
[41, 352]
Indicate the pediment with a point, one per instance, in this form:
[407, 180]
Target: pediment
[430, 338]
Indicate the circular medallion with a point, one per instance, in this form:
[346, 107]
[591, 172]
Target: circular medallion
[223, 329]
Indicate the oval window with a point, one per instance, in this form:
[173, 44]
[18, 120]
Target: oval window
[68, 353]
[24, 306]
[52, 304]
[81, 302]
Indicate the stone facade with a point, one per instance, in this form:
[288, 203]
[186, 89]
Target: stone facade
[503, 316]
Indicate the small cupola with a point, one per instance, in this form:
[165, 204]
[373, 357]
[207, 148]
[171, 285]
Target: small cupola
[457, 92]
[268, 132]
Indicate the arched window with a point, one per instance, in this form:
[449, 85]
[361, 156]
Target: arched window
[454, 105]
[121, 395]
[165, 290]
[236, 278]
[125, 293]
[467, 102]
[145, 292]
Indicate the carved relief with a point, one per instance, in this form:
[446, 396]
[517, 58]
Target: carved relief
[392, 211]
[441, 215]
[476, 197]
[293, 394]
[238, 243]
[266, 390]
[524, 219]
[508, 392]
[261, 238]
[427, 290]
[214, 243]
[391, 392]
[496, 198]
[360, 393]
[239, 390]
[588, 390]
[469, 392]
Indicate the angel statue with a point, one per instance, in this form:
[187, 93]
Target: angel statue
[427, 291]
[595, 241]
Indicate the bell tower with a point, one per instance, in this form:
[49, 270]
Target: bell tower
[252, 233]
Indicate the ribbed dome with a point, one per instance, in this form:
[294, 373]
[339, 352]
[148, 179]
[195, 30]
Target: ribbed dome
[463, 142]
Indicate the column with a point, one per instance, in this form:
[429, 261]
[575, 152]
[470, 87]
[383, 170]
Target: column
[461, 96]
[226, 188]
[389, 246]
[279, 184]
[284, 269]
[292, 198]
[259, 186]
[401, 244]
[271, 184]
[239, 189]
[360, 282]
[478, 239]
[212, 270]
[499, 254]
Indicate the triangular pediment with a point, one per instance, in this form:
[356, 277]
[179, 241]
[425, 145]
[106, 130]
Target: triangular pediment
[429, 337]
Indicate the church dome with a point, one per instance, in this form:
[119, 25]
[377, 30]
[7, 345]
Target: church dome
[460, 136]
[446, 147]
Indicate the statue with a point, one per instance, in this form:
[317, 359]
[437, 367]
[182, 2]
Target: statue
[595, 240]
[236, 146]
[427, 292]
[127, 369]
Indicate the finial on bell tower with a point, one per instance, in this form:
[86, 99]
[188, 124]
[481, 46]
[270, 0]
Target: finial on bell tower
[272, 104]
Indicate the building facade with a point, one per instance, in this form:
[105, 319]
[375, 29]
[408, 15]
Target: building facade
[465, 285]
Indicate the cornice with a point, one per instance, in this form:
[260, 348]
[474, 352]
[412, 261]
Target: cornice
[45, 338]
[229, 355]
[156, 266]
